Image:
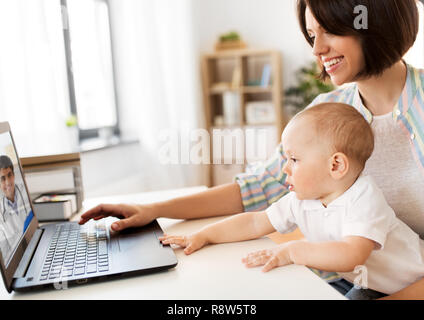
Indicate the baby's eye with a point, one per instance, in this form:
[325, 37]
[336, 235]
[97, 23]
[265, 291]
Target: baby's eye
[293, 159]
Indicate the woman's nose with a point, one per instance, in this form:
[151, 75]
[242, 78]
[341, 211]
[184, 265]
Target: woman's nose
[320, 46]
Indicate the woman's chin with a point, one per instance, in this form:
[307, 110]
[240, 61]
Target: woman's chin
[338, 81]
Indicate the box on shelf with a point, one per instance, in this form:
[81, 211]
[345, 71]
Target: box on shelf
[259, 112]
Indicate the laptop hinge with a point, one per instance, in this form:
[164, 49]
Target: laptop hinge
[28, 254]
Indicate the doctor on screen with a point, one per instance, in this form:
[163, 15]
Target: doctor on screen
[13, 208]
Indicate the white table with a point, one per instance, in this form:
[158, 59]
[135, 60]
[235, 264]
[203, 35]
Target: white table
[214, 272]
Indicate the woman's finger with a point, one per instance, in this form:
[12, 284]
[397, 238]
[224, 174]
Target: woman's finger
[103, 210]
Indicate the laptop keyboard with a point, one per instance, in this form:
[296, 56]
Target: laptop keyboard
[76, 250]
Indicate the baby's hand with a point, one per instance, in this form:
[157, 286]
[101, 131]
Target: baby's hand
[270, 258]
[191, 243]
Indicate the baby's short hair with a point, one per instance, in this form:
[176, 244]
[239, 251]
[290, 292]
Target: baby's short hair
[345, 129]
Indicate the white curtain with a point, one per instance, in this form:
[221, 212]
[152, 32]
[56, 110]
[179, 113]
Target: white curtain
[33, 86]
[157, 82]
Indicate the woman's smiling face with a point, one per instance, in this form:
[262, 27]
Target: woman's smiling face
[341, 56]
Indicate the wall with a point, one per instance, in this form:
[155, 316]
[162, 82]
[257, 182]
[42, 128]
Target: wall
[261, 23]
[108, 172]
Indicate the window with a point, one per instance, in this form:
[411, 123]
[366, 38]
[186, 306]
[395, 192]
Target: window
[415, 56]
[90, 65]
[33, 85]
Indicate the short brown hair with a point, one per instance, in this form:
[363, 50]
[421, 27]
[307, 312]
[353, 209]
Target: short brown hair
[392, 28]
[6, 163]
[344, 127]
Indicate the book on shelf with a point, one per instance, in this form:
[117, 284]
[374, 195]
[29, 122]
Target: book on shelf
[236, 78]
[50, 207]
[231, 108]
[266, 75]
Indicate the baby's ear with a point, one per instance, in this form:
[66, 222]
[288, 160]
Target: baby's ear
[339, 165]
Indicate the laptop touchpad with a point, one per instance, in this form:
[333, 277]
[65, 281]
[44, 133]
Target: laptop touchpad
[135, 239]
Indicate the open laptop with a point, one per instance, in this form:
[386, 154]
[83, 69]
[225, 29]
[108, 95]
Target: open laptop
[59, 255]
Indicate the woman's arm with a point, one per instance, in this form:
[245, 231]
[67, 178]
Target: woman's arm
[216, 201]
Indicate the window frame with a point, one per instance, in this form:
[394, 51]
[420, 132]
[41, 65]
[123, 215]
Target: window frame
[85, 133]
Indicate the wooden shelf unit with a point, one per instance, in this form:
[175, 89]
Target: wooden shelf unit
[240, 72]
[49, 164]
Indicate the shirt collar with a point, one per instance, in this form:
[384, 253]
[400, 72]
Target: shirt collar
[309, 205]
[15, 201]
[405, 100]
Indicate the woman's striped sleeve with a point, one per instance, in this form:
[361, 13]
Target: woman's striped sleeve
[263, 183]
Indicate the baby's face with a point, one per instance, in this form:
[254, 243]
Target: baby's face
[308, 160]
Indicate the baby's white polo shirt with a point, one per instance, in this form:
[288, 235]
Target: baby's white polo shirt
[398, 257]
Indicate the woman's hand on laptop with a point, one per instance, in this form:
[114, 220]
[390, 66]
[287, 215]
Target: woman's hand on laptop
[131, 215]
[191, 243]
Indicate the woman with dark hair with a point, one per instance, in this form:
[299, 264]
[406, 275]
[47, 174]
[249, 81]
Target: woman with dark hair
[367, 60]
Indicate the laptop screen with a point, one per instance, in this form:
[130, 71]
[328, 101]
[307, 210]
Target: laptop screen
[15, 209]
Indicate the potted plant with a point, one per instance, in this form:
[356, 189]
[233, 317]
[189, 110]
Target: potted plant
[230, 40]
[72, 129]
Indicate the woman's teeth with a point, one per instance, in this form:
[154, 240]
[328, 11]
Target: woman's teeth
[332, 62]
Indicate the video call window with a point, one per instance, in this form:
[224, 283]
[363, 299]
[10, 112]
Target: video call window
[15, 209]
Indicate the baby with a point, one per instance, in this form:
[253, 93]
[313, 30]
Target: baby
[343, 215]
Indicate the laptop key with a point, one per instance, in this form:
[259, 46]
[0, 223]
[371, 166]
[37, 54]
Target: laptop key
[67, 273]
[103, 268]
[79, 270]
[91, 268]
[102, 248]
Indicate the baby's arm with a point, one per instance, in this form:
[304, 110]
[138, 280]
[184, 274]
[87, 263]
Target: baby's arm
[244, 226]
[338, 256]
